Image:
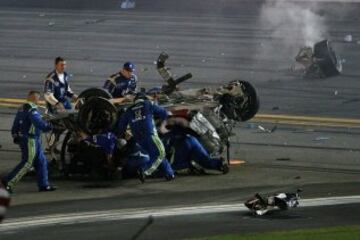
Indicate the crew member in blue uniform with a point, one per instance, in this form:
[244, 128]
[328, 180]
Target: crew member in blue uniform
[135, 159]
[123, 82]
[107, 141]
[140, 118]
[57, 91]
[183, 148]
[26, 130]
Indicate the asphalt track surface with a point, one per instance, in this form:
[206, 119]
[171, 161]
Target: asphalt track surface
[218, 41]
[197, 225]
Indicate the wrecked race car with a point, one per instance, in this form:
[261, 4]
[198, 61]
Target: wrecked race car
[259, 205]
[208, 114]
[319, 61]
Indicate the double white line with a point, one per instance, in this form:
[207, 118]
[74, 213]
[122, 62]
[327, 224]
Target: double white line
[128, 214]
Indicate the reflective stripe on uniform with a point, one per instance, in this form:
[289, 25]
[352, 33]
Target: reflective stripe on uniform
[32, 128]
[29, 162]
[172, 158]
[160, 147]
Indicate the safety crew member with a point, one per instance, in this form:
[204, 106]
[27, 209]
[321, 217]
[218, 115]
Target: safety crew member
[135, 159]
[26, 130]
[140, 118]
[107, 141]
[122, 83]
[183, 148]
[57, 91]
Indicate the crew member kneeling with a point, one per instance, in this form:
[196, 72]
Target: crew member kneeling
[183, 148]
[140, 118]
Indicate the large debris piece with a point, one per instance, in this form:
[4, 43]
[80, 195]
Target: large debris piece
[319, 61]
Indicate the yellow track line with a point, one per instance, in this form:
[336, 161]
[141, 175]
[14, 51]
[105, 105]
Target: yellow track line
[9, 105]
[283, 119]
[15, 101]
[307, 120]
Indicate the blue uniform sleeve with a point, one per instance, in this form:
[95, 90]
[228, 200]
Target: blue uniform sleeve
[106, 141]
[122, 124]
[48, 86]
[159, 112]
[133, 84]
[15, 129]
[38, 122]
[109, 86]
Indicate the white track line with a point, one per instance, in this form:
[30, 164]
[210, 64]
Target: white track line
[128, 214]
[325, 1]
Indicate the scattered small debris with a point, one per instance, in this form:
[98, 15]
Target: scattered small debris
[275, 108]
[336, 92]
[283, 159]
[93, 21]
[321, 138]
[262, 128]
[266, 129]
[348, 38]
[304, 131]
[351, 100]
[24, 76]
[144, 69]
[42, 15]
[51, 24]
[203, 60]
[222, 54]
[155, 62]
[128, 4]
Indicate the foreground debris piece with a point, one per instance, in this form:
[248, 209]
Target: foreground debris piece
[282, 201]
[319, 61]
